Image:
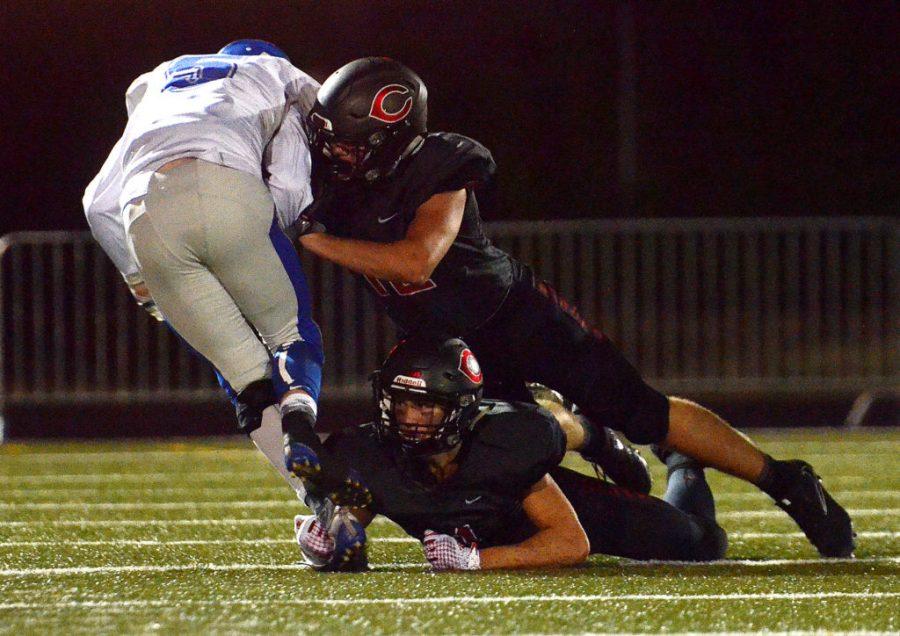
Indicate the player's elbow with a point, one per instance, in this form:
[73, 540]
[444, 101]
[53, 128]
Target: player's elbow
[416, 268]
[576, 548]
[582, 548]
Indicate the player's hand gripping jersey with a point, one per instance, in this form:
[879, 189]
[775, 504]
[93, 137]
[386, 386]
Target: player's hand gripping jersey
[241, 112]
[472, 280]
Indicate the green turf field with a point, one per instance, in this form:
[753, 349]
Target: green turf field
[197, 536]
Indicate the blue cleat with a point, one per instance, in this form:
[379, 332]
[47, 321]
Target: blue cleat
[305, 463]
[349, 544]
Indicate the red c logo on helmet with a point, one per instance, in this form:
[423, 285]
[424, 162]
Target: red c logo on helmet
[378, 111]
[470, 367]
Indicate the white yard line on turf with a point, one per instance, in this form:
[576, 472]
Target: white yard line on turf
[228, 567]
[135, 491]
[100, 456]
[285, 490]
[763, 514]
[288, 501]
[877, 534]
[378, 520]
[54, 478]
[262, 602]
[218, 453]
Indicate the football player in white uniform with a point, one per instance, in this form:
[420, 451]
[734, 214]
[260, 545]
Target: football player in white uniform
[191, 205]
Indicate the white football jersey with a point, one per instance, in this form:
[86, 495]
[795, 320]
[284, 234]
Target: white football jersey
[243, 112]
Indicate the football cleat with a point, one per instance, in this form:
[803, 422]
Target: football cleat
[349, 544]
[621, 463]
[824, 522]
[617, 461]
[303, 462]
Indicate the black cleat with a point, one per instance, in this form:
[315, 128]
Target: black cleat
[616, 460]
[824, 522]
[621, 463]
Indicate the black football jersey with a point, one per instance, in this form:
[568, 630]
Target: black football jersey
[471, 281]
[512, 447]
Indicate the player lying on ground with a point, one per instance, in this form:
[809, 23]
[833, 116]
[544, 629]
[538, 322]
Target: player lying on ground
[398, 205]
[478, 481]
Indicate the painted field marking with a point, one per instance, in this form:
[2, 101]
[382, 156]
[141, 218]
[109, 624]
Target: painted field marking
[204, 491]
[232, 476]
[876, 534]
[231, 567]
[285, 490]
[291, 502]
[101, 456]
[240, 453]
[530, 598]
[764, 514]
[378, 520]
[228, 475]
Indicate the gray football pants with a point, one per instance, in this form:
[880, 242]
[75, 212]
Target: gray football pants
[201, 240]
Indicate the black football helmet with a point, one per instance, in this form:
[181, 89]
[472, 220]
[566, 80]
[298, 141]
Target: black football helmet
[428, 372]
[369, 115]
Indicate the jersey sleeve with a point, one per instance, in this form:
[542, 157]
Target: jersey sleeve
[287, 166]
[447, 162]
[104, 216]
[523, 444]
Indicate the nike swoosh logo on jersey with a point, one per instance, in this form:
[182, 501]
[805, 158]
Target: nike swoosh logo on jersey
[471, 501]
[380, 220]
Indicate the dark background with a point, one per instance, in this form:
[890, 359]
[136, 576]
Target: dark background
[592, 109]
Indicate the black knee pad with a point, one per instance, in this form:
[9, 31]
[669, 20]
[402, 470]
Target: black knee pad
[251, 402]
[648, 421]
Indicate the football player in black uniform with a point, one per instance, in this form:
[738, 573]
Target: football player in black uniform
[479, 482]
[398, 206]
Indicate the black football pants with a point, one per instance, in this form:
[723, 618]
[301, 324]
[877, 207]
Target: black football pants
[623, 523]
[537, 336]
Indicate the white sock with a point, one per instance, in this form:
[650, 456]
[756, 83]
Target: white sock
[268, 440]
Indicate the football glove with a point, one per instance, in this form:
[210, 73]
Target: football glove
[316, 545]
[448, 553]
[142, 297]
[338, 545]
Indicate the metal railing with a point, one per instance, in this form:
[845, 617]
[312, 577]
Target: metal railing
[699, 305]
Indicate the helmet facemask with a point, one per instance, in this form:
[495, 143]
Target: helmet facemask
[424, 423]
[370, 158]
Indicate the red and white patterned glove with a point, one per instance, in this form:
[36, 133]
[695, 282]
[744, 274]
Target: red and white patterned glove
[316, 544]
[447, 553]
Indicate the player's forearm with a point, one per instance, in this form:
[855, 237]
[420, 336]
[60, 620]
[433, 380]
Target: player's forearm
[398, 262]
[547, 548]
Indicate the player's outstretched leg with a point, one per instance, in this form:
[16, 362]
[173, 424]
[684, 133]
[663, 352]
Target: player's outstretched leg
[622, 523]
[703, 435]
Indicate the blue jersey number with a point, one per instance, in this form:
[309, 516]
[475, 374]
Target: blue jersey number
[194, 70]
